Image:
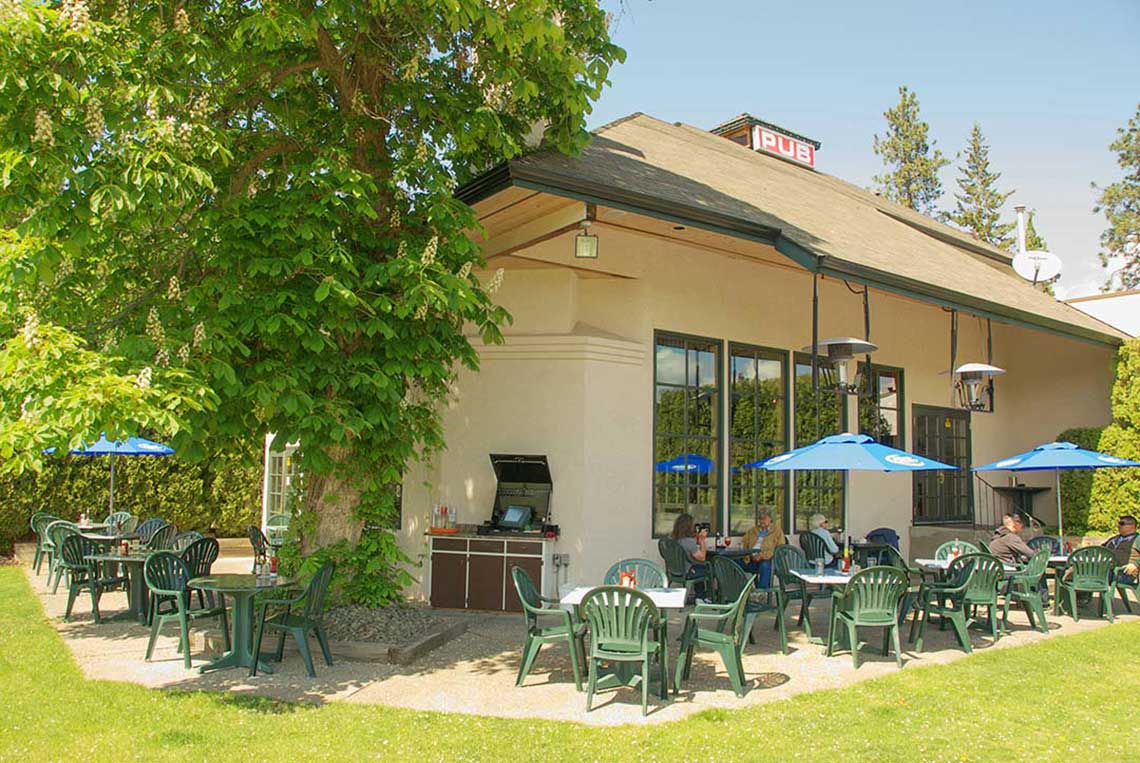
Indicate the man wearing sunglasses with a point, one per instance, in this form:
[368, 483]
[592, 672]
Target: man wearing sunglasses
[1123, 546]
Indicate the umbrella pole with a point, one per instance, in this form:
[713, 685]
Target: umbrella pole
[846, 500]
[112, 483]
[1060, 521]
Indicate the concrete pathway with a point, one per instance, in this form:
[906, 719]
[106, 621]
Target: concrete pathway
[475, 673]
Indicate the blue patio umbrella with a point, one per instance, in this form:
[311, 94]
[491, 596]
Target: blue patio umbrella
[1056, 456]
[688, 462]
[132, 446]
[846, 453]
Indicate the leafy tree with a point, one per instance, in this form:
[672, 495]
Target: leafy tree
[912, 160]
[257, 198]
[1120, 202]
[977, 208]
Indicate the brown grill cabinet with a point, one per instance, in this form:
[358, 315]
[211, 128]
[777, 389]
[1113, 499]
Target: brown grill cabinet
[475, 572]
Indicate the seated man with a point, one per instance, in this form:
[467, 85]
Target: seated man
[1123, 546]
[762, 539]
[1006, 544]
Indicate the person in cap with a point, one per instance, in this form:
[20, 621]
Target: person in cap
[762, 539]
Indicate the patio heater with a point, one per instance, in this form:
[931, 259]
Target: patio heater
[974, 385]
[839, 353]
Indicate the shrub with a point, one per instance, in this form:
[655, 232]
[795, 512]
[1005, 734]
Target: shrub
[222, 491]
[1117, 491]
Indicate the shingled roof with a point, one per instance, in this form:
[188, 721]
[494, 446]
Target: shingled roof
[825, 224]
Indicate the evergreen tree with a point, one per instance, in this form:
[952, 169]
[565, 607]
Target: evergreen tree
[1120, 203]
[1035, 242]
[978, 206]
[912, 160]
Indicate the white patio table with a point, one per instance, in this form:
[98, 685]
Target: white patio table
[664, 598]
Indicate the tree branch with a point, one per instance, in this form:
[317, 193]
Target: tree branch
[241, 179]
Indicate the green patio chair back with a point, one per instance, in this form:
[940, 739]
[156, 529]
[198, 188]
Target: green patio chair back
[988, 572]
[166, 574]
[732, 581]
[724, 627]
[561, 626]
[785, 559]
[129, 526]
[162, 539]
[115, 520]
[182, 541]
[1090, 570]
[814, 546]
[310, 620]
[972, 581]
[871, 598]
[257, 541]
[1091, 567]
[790, 588]
[625, 626]
[1050, 542]
[1036, 566]
[148, 528]
[276, 528]
[200, 555]
[648, 574]
[676, 560]
[946, 549]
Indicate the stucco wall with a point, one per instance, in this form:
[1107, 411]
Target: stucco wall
[575, 378]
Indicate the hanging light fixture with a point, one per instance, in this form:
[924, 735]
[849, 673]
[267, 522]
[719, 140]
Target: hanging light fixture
[586, 243]
[974, 383]
[839, 353]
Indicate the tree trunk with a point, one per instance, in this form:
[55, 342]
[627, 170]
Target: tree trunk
[333, 499]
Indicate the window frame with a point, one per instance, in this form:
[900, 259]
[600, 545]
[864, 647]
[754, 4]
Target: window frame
[718, 508]
[873, 397]
[785, 359]
[804, 358]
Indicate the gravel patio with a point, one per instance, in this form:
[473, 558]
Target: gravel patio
[475, 672]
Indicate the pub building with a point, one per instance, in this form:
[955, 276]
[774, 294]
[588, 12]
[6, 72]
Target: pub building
[668, 287]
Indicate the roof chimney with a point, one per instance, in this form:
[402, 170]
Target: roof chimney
[769, 138]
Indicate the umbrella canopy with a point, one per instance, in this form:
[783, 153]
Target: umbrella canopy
[1056, 455]
[688, 462]
[845, 453]
[132, 446]
[848, 452]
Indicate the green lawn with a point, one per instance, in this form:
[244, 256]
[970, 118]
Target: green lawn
[1053, 700]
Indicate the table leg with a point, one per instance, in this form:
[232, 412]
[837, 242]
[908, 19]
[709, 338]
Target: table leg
[137, 592]
[241, 628]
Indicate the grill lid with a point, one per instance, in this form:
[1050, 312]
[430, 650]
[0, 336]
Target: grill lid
[519, 469]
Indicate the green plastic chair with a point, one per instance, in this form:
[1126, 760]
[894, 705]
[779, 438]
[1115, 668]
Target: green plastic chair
[200, 556]
[181, 541]
[83, 573]
[311, 619]
[115, 520]
[814, 547]
[731, 580]
[1090, 570]
[677, 566]
[167, 577]
[647, 573]
[722, 628]
[971, 581]
[1123, 587]
[872, 598]
[785, 559]
[625, 627]
[145, 530]
[964, 547]
[560, 626]
[891, 557]
[162, 539]
[39, 524]
[1024, 589]
[129, 526]
[57, 531]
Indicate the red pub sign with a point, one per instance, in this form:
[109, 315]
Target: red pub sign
[781, 145]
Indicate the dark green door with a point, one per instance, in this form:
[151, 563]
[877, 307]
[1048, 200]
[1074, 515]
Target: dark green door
[943, 497]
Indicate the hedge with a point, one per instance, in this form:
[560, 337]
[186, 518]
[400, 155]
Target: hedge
[1077, 484]
[222, 492]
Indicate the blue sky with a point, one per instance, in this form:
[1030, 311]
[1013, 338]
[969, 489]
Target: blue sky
[1050, 82]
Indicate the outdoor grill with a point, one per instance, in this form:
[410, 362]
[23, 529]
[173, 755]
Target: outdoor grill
[522, 495]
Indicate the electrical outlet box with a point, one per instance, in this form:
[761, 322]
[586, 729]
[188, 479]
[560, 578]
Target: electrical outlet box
[563, 560]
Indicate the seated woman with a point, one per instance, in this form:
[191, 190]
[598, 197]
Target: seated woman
[687, 536]
[763, 538]
[821, 526]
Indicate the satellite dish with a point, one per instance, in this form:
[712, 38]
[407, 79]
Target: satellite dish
[1037, 266]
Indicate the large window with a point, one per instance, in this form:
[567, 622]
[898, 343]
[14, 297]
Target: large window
[757, 429]
[817, 415]
[881, 412]
[686, 430]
